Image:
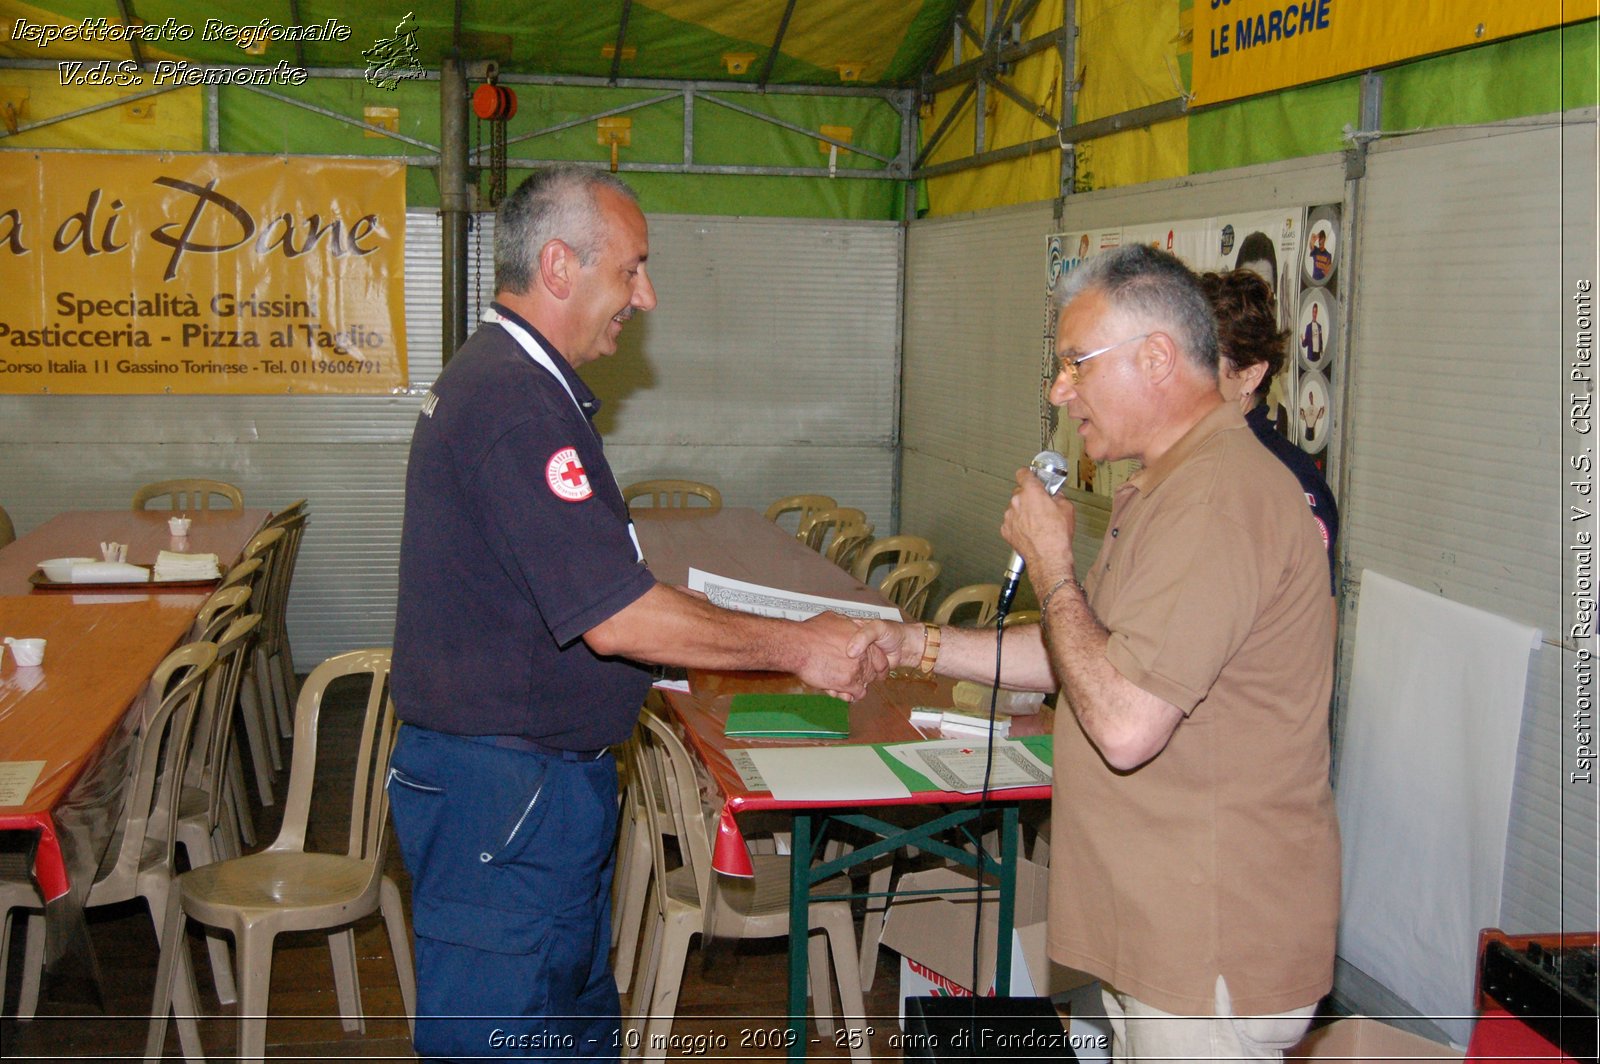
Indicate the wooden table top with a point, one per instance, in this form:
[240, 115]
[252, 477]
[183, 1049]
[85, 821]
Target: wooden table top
[79, 533]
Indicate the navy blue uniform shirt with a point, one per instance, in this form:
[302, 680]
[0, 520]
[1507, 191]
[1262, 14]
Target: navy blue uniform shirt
[516, 541]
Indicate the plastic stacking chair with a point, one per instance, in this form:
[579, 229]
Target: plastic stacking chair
[848, 543]
[983, 598]
[139, 861]
[208, 809]
[8, 531]
[890, 551]
[692, 900]
[802, 505]
[674, 493]
[632, 882]
[285, 887]
[264, 702]
[188, 495]
[1022, 617]
[273, 644]
[18, 895]
[907, 587]
[814, 530]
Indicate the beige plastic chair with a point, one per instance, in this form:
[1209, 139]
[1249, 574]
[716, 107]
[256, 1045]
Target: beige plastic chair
[273, 645]
[891, 551]
[848, 543]
[217, 610]
[674, 493]
[1022, 617]
[265, 702]
[984, 598]
[692, 900]
[631, 885]
[802, 505]
[907, 587]
[243, 573]
[8, 531]
[139, 861]
[209, 808]
[18, 895]
[188, 495]
[287, 888]
[814, 530]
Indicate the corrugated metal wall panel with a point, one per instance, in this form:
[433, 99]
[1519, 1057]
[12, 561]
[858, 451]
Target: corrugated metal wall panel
[760, 323]
[969, 420]
[1456, 411]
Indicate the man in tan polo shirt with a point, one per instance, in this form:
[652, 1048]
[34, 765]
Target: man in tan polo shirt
[1195, 851]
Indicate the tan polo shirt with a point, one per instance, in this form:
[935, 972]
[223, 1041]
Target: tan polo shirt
[1221, 854]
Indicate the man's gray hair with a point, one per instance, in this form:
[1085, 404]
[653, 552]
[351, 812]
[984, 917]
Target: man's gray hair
[1147, 283]
[554, 203]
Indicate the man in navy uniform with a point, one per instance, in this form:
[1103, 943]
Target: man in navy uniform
[525, 610]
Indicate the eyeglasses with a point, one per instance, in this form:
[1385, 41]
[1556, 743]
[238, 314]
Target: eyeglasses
[1073, 363]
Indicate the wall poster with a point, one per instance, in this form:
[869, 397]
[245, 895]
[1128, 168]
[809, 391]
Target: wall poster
[1295, 249]
[201, 274]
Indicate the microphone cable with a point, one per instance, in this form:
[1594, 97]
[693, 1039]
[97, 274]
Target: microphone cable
[1001, 613]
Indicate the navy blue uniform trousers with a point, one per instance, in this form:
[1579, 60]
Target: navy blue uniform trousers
[510, 853]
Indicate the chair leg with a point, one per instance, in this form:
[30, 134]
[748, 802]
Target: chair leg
[267, 702]
[669, 980]
[872, 923]
[821, 995]
[175, 987]
[262, 755]
[255, 977]
[841, 939]
[238, 800]
[394, 921]
[342, 951]
[634, 886]
[286, 683]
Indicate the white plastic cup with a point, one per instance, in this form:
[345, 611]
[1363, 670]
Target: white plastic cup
[178, 526]
[28, 652]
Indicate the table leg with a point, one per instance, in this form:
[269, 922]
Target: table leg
[1010, 844]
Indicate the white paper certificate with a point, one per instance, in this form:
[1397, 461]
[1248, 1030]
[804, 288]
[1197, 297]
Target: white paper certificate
[746, 597]
[958, 765]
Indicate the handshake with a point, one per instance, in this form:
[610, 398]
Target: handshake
[841, 655]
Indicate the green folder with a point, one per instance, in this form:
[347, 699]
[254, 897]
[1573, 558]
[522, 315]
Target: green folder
[785, 716]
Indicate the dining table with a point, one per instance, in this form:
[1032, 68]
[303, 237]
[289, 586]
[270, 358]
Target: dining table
[743, 545]
[68, 724]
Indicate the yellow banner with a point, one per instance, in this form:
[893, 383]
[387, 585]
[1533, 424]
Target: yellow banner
[1245, 47]
[126, 274]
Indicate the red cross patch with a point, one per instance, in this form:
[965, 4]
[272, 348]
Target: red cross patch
[566, 477]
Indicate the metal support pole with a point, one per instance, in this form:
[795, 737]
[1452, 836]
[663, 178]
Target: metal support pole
[454, 203]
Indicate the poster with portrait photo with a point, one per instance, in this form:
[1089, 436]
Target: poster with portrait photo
[1320, 261]
[1314, 410]
[1315, 339]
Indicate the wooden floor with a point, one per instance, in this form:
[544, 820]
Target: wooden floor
[726, 1007]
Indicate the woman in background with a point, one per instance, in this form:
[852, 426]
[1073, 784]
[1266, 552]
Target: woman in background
[1253, 350]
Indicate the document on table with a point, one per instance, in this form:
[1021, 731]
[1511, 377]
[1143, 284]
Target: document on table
[17, 779]
[825, 773]
[746, 597]
[958, 764]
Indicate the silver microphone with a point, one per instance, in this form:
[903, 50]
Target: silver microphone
[1051, 469]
